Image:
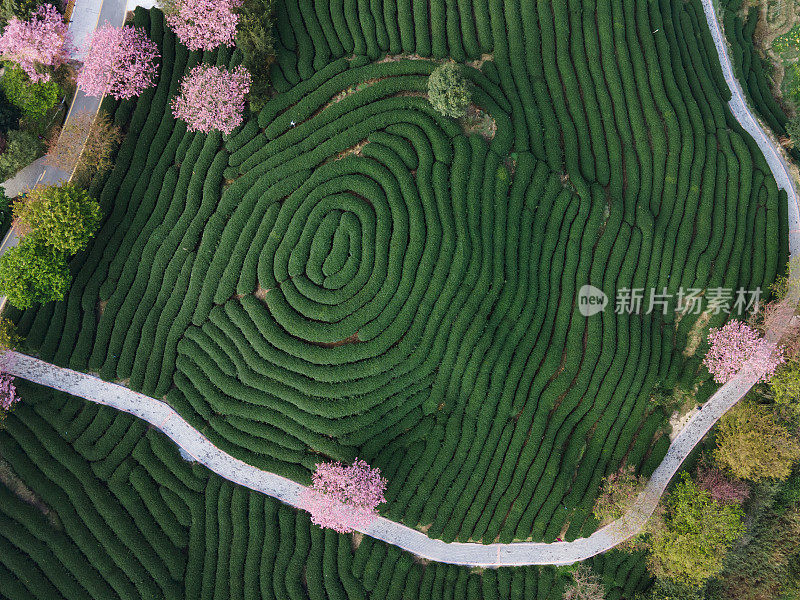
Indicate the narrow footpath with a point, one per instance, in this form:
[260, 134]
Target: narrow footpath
[193, 442]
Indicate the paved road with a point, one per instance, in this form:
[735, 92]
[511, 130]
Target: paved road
[738, 105]
[490, 555]
[26, 178]
[86, 16]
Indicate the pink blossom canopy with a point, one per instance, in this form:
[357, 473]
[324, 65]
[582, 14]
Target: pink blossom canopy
[8, 392]
[344, 498]
[722, 488]
[205, 24]
[737, 343]
[120, 61]
[212, 98]
[43, 40]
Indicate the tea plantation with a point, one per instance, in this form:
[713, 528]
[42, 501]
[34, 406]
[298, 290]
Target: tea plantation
[352, 274]
[108, 509]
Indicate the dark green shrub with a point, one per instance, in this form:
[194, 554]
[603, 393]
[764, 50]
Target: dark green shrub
[255, 39]
[21, 9]
[448, 90]
[33, 99]
[789, 492]
[793, 129]
[5, 211]
[22, 148]
[8, 335]
[9, 114]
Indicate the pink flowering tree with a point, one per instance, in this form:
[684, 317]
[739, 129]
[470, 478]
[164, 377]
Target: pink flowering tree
[212, 98]
[344, 498]
[204, 24]
[737, 343]
[8, 393]
[44, 40]
[120, 61]
[721, 487]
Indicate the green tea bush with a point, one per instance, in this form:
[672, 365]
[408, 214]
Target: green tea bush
[353, 274]
[254, 38]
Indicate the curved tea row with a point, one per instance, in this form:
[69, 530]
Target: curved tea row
[108, 508]
[351, 274]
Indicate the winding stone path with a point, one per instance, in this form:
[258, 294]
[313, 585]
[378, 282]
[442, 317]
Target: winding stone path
[472, 554]
[194, 443]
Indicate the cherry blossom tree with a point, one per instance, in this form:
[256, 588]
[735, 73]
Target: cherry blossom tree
[8, 392]
[43, 40]
[204, 24]
[737, 343]
[343, 497]
[722, 488]
[121, 61]
[212, 98]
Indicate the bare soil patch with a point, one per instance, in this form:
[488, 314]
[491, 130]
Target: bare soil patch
[26, 494]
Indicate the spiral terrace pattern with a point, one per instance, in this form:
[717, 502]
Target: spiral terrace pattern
[351, 274]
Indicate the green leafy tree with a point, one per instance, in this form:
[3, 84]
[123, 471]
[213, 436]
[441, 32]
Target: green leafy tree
[793, 129]
[617, 494]
[785, 385]
[22, 148]
[765, 567]
[22, 9]
[448, 90]
[32, 273]
[63, 217]
[690, 542]
[753, 444]
[33, 99]
[669, 589]
[168, 7]
[789, 493]
[255, 39]
[8, 335]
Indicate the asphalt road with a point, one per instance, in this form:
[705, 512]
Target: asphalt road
[86, 16]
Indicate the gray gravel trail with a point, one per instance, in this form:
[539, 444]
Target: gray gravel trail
[472, 554]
